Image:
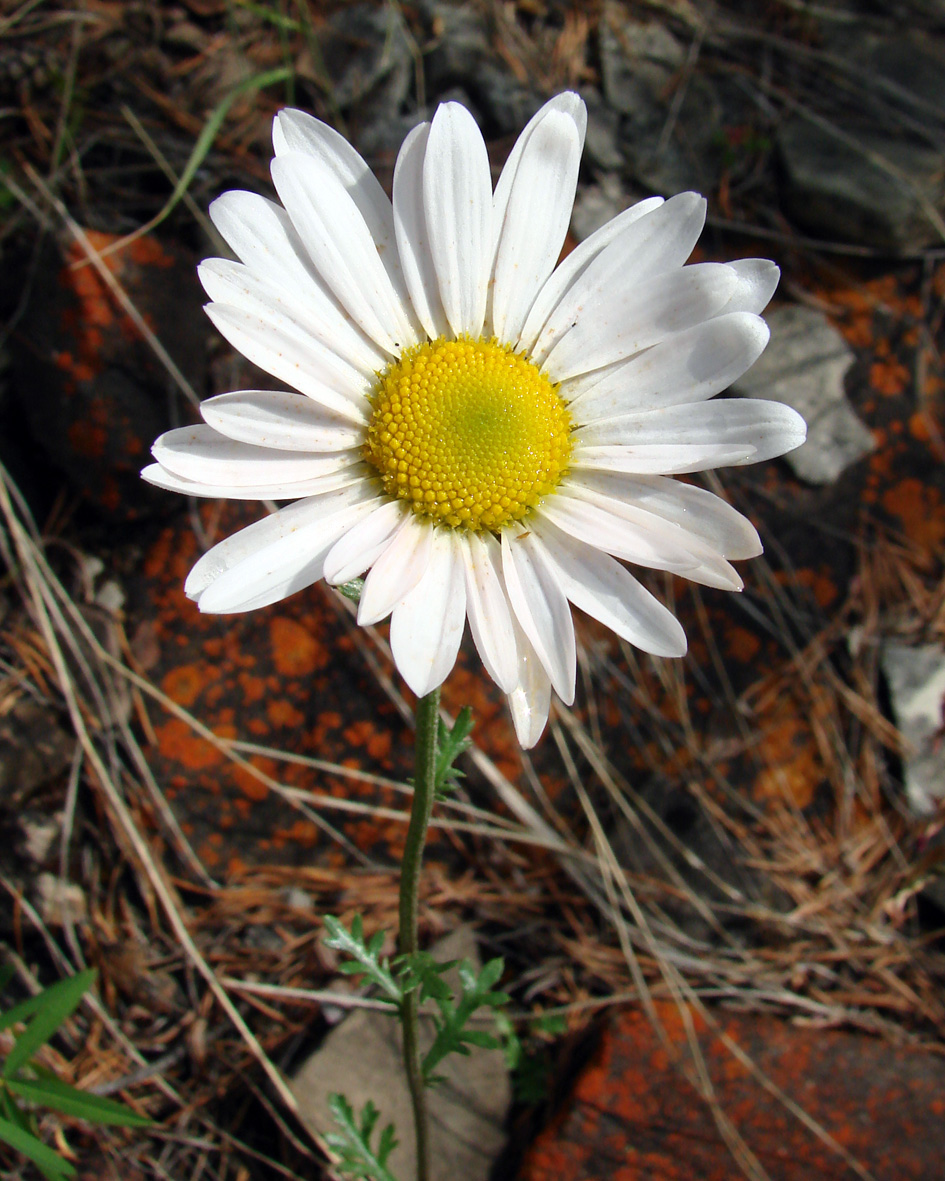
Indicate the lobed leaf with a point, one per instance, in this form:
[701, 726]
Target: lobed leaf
[365, 956]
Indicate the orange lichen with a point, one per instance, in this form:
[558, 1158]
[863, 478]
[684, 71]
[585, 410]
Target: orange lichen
[295, 651]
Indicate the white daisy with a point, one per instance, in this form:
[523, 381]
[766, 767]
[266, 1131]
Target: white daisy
[488, 436]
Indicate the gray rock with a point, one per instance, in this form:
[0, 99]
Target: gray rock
[638, 60]
[596, 205]
[916, 679]
[462, 55]
[367, 54]
[868, 188]
[804, 365]
[671, 130]
[602, 145]
[361, 1059]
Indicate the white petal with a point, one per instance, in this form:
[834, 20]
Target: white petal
[757, 280]
[619, 529]
[413, 242]
[600, 586]
[457, 202]
[262, 235]
[328, 324]
[688, 367]
[341, 247]
[630, 532]
[532, 209]
[667, 459]
[397, 570]
[767, 428]
[530, 700]
[202, 454]
[296, 131]
[487, 607]
[359, 548]
[426, 626]
[276, 418]
[607, 328]
[541, 608]
[273, 558]
[652, 245]
[274, 344]
[338, 475]
[699, 512]
[575, 265]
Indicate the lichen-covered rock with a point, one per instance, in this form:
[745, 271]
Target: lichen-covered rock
[92, 390]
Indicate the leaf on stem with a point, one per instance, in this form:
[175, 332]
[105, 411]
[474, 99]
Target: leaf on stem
[365, 956]
[450, 744]
[477, 991]
[352, 1141]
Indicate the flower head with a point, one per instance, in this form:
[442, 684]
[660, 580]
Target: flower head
[489, 436]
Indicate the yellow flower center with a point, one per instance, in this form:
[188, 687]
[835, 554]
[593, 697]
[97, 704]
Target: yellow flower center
[469, 432]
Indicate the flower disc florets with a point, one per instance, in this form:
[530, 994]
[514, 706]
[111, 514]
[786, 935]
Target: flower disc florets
[470, 433]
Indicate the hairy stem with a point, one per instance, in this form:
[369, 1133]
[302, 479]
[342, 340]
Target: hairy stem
[428, 711]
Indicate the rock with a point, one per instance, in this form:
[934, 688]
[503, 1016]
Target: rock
[804, 365]
[916, 679]
[361, 1059]
[666, 150]
[462, 55]
[367, 55]
[92, 391]
[596, 205]
[638, 60]
[633, 1115]
[602, 143]
[868, 187]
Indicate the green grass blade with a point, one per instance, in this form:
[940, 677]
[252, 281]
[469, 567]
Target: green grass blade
[49, 1163]
[52, 1092]
[56, 1003]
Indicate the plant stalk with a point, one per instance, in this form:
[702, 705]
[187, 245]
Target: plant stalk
[428, 713]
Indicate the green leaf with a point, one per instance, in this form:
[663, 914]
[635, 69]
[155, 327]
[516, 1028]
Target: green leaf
[352, 590]
[6, 975]
[452, 1036]
[352, 1141]
[10, 1111]
[365, 956]
[52, 1007]
[52, 1092]
[450, 745]
[49, 1163]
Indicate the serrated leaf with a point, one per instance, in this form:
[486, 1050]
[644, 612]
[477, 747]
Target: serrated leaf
[57, 1003]
[366, 956]
[60, 1096]
[49, 1163]
[450, 745]
[452, 1036]
[352, 1141]
[479, 1037]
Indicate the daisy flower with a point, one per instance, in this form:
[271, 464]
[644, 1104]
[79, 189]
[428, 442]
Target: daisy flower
[484, 434]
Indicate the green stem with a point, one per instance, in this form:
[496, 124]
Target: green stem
[428, 713]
